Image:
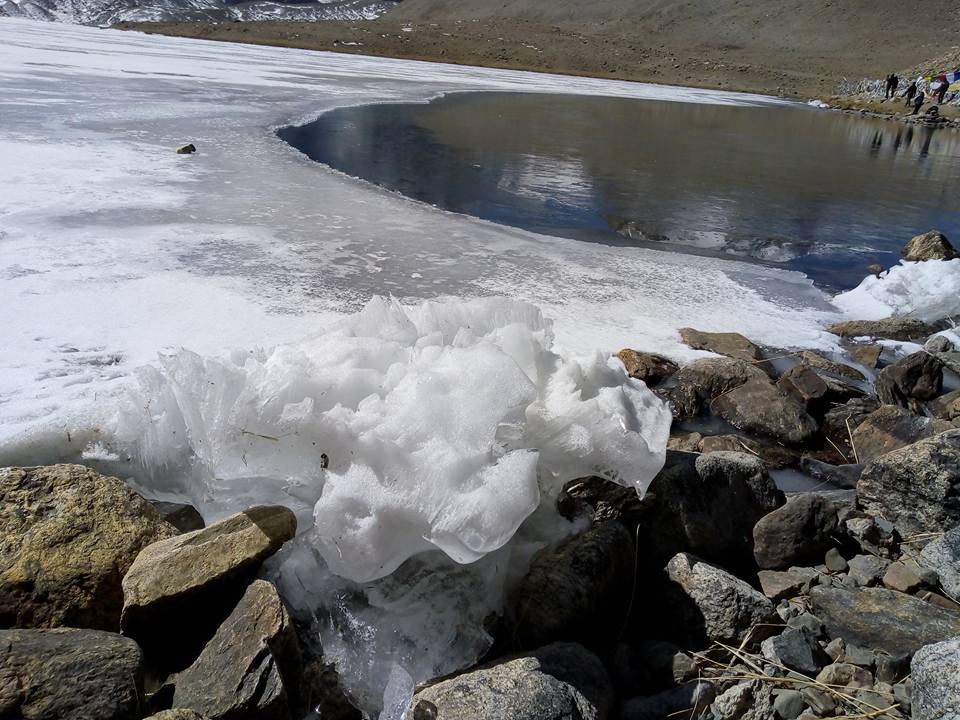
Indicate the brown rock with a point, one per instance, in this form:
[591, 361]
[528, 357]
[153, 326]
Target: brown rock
[779, 586]
[931, 245]
[867, 355]
[67, 536]
[806, 387]
[178, 591]
[759, 407]
[946, 407]
[892, 328]
[890, 428]
[700, 382]
[687, 442]
[732, 345]
[648, 367]
[815, 360]
[916, 377]
[720, 443]
[901, 578]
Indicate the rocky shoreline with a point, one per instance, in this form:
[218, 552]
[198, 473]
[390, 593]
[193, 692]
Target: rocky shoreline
[717, 595]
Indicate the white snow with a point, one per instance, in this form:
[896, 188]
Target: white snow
[928, 290]
[207, 325]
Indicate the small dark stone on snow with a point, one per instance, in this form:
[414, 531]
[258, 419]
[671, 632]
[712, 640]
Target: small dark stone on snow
[187, 149]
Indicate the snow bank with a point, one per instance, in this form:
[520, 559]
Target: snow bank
[927, 290]
[443, 424]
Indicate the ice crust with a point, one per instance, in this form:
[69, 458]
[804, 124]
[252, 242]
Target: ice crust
[444, 425]
[928, 290]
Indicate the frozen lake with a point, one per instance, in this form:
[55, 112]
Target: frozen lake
[823, 193]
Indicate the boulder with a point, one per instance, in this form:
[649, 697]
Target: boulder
[782, 585]
[886, 620]
[874, 535]
[867, 570]
[648, 367]
[691, 700]
[910, 379]
[67, 536]
[251, 666]
[65, 673]
[743, 701]
[950, 360]
[760, 407]
[946, 407]
[942, 555]
[798, 531]
[904, 576]
[795, 649]
[867, 355]
[562, 680]
[579, 590]
[707, 604]
[936, 691]
[700, 382]
[183, 516]
[894, 328]
[819, 362]
[706, 505]
[806, 387]
[835, 562]
[179, 590]
[841, 421]
[931, 245]
[917, 487]
[732, 345]
[890, 428]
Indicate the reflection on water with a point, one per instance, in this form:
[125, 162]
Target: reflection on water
[820, 192]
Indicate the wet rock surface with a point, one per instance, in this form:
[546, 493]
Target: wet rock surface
[932, 245]
[648, 367]
[733, 345]
[890, 328]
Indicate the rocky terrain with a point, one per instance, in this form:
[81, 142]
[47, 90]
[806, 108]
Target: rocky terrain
[792, 48]
[717, 595]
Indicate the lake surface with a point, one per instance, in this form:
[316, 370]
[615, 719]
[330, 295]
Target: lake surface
[824, 193]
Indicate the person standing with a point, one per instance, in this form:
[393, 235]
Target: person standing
[910, 93]
[892, 83]
[942, 90]
[917, 102]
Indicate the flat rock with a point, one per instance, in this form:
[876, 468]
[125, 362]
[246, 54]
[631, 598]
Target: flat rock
[942, 555]
[900, 577]
[896, 328]
[720, 443]
[700, 382]
[890, 428]
[251, 666]
[562, 680]
[64, 673]
[67, 536]
[760, 407]
[936, 690]
[867, 355]
[577, 590]
[733, 345]
[179, 590]
[886, 620]
[818, 361]
[798, 531]
[709, 604]
[917, 487]
[648, 367]
[931, 245]
[781, 585]
[916, 377]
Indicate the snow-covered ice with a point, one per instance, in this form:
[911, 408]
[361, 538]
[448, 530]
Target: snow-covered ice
[928, 290]
[207, 325]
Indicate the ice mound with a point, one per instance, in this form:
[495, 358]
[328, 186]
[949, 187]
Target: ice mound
[444, 424]
[928, 291]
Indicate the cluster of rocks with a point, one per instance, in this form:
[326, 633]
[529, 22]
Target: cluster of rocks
[116, 608]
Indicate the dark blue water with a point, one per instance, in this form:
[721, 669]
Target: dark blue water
[824, 193]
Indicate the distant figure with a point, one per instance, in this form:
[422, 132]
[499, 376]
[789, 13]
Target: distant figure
[891, 89]
[917, 102]
[942, 90]
[910, 93]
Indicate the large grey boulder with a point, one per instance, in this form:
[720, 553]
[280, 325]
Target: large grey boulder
[886, 620]
[796, 532]
[760, 407]
[67, 536]
[731, 344]
[931, 245]
[894, 328]
[942, 555]
[700, 382]
[579, 590]
[562, 680]
[917, 488]
[909, 380]
[179, 590]
[705, 603]
[64, 673]
[648, 367]
[936, 681]
[251, 666]
[890, 428]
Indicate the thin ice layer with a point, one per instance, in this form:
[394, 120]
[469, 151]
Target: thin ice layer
[928, 290]
[443, 425]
